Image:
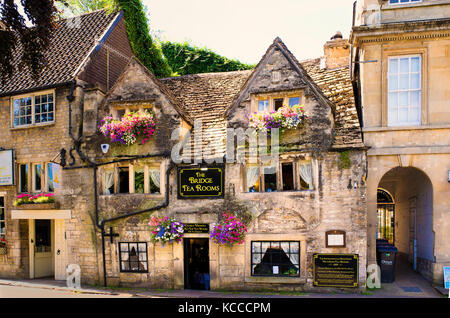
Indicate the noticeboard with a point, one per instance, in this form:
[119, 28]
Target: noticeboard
[200, 183]
[6, 167]
[196, 228]
[335, 270]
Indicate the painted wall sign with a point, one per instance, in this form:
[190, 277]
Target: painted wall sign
[6, 167]
[200, 183]
[335, 238]
[196, 228]
[335, 270]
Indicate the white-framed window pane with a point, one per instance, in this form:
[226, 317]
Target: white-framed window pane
[263, 105]
[294, 101]
[415, 64]
[404, 65]
[403, 114]
[414, 114]
[393, 82]
[415, 99]
[415, 81]
[393, 66]
[37, 177]
[403, 99]
[404, 81]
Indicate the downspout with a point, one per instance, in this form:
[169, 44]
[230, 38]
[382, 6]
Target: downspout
[103, 222]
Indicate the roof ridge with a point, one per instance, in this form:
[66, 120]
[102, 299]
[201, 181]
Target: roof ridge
[205, 74]
[87, 13]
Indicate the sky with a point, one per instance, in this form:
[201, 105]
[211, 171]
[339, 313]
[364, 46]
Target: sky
[244, 29]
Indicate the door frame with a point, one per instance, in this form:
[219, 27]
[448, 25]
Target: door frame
[58, 239]
[186, 262]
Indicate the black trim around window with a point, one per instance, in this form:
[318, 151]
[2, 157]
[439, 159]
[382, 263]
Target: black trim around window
[275, 258]
[134, 262]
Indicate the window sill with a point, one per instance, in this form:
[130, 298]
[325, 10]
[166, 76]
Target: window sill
[275, 280]
[126, 194]
[33, 126]
[396, 128]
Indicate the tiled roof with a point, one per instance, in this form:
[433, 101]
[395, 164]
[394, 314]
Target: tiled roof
[337, 87]
[70, 44]
[207, 96]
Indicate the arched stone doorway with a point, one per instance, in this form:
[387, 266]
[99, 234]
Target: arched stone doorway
[412, 216]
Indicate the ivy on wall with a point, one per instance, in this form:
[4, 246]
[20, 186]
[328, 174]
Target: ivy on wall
[187, 59]
[145, 49]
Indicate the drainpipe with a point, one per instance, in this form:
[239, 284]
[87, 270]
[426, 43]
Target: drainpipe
[158, 207]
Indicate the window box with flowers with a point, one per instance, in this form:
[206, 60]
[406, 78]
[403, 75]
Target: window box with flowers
[127, 130]
[41, 201]
[2, 246]
[285, 118]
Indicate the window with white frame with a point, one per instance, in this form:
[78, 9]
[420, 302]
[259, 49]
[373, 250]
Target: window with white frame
[38, 108]
[287, 176]
[404, 90]
[117, 112]
[37, 177]
[23, 178]
[403, 1]
[274, 102]
[131, 179]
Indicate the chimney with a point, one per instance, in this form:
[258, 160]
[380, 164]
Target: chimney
[336, 51]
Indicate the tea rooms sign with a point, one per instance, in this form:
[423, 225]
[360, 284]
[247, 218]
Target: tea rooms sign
[200, 183]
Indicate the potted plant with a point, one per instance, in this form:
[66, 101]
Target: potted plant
[166, 230]
[132, 125]
[229, 231]
[41, 201]
[2, 246]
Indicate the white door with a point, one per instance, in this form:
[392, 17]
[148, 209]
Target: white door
[60, 249]
[43, 248]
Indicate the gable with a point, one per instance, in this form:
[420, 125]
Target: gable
[138, 85]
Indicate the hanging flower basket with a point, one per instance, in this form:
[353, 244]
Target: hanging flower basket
[286, 117]
[166, 230]
[229, 231]
[41, 201]
[129, 128]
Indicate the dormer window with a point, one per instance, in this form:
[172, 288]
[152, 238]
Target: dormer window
[33, 109]
[273, 102]
[403, 1]
[117, 112]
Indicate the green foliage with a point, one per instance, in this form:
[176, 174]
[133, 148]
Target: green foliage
[344, 160]
[187, 59]
[70, 8]
[145, 49]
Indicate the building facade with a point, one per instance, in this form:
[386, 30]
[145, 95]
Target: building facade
[303, 208]
[401, 55]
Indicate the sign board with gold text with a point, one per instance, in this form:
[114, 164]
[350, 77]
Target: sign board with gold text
[201, 183]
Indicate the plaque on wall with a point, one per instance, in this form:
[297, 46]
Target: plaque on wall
[335, 238]
[6, 167]
[196, 228]
[335, 270]
[201, 183]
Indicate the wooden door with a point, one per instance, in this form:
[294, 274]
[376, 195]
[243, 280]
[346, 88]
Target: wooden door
[60, 249]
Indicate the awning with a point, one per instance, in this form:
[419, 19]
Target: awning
[40, 214]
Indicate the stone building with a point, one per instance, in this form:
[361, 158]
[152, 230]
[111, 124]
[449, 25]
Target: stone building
[38, 120]
[306, 204]
[401, 55]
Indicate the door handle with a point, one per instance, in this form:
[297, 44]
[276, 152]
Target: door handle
[58, 252]
[31, 241]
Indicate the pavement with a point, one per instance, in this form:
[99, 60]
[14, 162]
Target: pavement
[407, 284]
